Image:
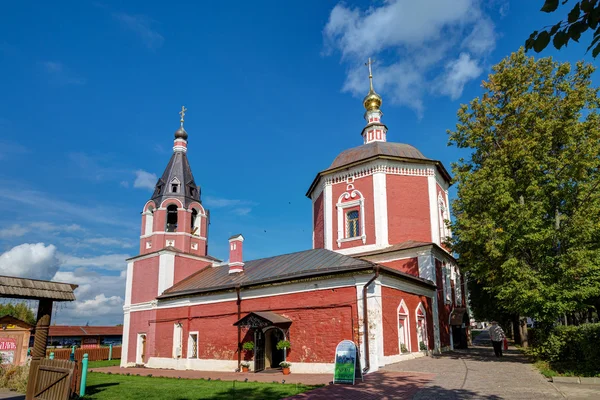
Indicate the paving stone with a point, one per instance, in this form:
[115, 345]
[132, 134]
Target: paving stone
[590, 381]
[565, 379]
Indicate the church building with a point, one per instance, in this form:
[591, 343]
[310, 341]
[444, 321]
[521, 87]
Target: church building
[378, 273]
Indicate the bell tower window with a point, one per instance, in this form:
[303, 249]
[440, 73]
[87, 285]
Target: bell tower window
[171, 218]
[175, 185]
[195, 223]
[352, 224]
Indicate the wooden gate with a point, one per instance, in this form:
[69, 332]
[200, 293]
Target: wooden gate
[51, 381]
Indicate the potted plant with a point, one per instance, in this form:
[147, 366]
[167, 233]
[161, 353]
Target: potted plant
[245, 366]
[403, 348]
[422, 346]
[283, 344]
[285, 367]
[248, 346]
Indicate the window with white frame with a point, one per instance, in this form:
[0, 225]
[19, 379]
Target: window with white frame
[458, 289]
[177, 340]
[352, 224]
[403, 329]
[446, 283]
[192, 345]
[351, 217]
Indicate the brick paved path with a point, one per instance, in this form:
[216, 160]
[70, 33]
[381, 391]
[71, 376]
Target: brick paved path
[381, 385]
[476, 374]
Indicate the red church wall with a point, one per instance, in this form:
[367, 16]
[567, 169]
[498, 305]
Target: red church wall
[320, 321]
[391, 299]
[443, 308]
[408, 208]
[138, 323]
[365, 186]
[407, 265]
[145, 280]
[318, 223]
[185, 267]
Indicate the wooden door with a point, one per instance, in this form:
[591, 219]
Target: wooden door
[52, 380]
[259, 350]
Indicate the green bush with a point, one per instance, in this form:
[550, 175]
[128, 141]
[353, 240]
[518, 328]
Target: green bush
[569, 349]
[14, 377]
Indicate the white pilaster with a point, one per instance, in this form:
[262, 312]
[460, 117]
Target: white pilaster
[433, 209]
[437, 344]
[380, 208]
[328, 220]
[166, 272]
[125, 339]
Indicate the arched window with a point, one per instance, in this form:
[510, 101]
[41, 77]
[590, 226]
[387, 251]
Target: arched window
[149, 221]
[195, 223]
[171, 218]
[403, 329]
[421, 327]
[352, 224]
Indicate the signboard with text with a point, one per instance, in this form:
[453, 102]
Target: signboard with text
[347, 363]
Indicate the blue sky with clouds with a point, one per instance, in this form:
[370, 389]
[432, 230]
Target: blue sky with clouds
[91, 91]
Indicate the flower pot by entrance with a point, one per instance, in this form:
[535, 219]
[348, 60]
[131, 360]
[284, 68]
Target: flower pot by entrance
[286, 371]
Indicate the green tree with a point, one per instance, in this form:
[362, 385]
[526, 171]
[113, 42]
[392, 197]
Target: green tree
[527, 216]
[19, 310]
[582, 16]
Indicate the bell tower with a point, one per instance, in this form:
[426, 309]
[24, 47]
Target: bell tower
[174, 216]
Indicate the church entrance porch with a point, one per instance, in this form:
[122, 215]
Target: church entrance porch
[268, 329]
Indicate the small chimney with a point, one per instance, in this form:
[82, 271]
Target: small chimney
[236, 261]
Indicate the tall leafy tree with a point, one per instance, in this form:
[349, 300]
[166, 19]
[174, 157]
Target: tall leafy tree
[527, 216]
[19, 310]
[582, 16]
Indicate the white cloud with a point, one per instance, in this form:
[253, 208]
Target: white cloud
[28, 260]
[108, 261]
[99, 298]
[238, 207]
[412, 42]
[59, 74]
[144, 180]
[458, 73]
[13, 231]
[50, 227]
[141, 25]
[114, 242]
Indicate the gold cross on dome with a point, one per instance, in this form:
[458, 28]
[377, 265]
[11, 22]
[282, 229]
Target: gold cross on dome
[182, 113]
[368, 64]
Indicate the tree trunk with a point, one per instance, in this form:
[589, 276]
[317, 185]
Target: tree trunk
[516, 322]
[523, 333]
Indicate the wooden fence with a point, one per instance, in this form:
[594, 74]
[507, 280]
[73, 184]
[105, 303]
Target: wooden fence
[97, 354]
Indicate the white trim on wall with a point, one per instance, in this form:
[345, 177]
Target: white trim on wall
[125, 339]
[328, 217]
[341, 215]
[166, 272]
[433, 209]
[380, 208]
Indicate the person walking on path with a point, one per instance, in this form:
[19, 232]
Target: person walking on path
[497, 335]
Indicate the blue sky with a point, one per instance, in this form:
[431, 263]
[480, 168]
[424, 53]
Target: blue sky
[91, 91]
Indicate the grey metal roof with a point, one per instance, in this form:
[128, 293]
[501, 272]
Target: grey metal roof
[285, 267]
[178, 167]
[22, 288]
[269, 316]
[376, 149]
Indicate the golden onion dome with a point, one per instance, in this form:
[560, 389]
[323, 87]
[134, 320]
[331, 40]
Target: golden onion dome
[372, 101]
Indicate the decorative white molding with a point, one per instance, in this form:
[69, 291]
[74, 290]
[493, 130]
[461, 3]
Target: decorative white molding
[390, 167]
[433, 209]
[405, 286]
[174, 234]
[341, 217]
[128, 284]
[361, 249]
[178, 254]
[166, 272]
[402, 307]
[194, 246]
[328, 220]
[380, 208]
[125, 339]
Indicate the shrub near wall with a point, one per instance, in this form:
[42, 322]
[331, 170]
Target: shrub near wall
[570, 349]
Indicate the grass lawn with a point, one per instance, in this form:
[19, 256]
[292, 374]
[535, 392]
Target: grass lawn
[120, 387]
[104, 363]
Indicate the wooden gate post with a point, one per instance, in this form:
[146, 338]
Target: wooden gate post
[40, 344]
